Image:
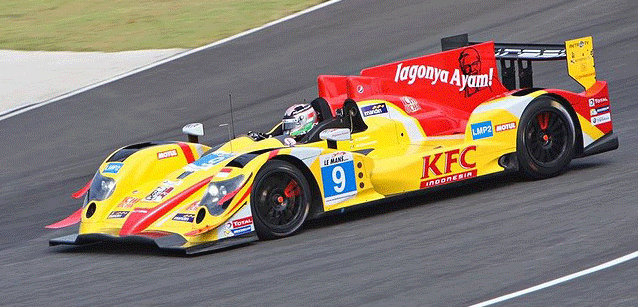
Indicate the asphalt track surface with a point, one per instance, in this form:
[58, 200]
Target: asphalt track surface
[447, 248]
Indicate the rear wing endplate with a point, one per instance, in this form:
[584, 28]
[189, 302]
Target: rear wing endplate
[519, 57]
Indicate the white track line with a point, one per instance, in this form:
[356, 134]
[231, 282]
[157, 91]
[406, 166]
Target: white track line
[559, 280]
[25, 108]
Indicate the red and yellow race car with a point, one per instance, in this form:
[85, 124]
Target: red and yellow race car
[400, 127]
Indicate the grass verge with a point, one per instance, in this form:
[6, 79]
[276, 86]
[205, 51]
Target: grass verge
[116, 25]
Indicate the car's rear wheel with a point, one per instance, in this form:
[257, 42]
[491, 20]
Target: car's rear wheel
[280, 200]
[546, 139]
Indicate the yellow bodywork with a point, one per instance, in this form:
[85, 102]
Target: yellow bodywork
[580, 60]
[158, 187]
[384, 160]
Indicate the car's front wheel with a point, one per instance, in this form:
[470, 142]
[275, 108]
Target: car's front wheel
[280, 200]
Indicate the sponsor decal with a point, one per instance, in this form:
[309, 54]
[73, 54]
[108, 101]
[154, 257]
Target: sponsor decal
[142, 211]
[468, 77]
[128, 202]
[158, 194]
[410, 104]
[223, 173]
[470, 64]
[194, 128]
[167, 154]
[335, 134]
[242, 222]
[360, 89]
[374, 109]
[600, 110]
[482, 130]
[505, 127]
[208, 161]
[335, 158]
[171, 183]
[448, 179]
[117, 214]
[436, 166]
[184, 217]
[601, 119]
[338, 177]
[240, 226]
[192, 207]
[290, 142]
[596, 101]
[581, 61]
[184, 174]
[113, 167]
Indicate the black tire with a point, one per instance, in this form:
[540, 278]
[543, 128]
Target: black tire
[277, 213]
[546, 139]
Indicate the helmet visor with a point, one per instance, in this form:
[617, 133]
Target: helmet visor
[289, 124]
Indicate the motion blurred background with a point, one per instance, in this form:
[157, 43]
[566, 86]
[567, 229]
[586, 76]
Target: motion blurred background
[449, 248]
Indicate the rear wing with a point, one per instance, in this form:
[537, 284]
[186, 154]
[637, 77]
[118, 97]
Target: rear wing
[515, 57]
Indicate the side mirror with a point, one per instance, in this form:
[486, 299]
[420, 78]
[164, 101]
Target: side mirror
[194, 131]
[335, 134]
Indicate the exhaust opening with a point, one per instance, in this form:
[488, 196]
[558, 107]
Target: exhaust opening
[90, 210]
[201, 214]
[509, 162]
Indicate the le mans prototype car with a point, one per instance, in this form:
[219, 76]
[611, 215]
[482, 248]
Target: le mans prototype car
[410, 125]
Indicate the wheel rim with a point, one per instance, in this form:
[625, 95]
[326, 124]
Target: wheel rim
[546, 137]
[279, 201]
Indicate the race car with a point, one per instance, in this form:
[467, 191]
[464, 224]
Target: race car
[396, 128]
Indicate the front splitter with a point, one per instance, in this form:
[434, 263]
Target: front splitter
[172, 242]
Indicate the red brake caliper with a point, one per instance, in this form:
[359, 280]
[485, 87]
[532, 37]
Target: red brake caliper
[292, 189]
[543, 120]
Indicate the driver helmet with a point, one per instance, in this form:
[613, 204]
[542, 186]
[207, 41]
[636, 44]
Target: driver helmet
[298, 120]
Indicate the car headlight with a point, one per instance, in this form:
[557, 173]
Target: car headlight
[219, 194]
[101, 188]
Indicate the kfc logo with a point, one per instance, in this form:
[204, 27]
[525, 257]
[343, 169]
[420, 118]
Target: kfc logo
[410, 104]
[193, 207]
[470, 64]
[128, 202]
[432, 164]
[441, 168]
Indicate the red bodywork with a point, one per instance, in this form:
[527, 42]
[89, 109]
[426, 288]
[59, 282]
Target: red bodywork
[583, 103]
[447, 87]
[444, 88]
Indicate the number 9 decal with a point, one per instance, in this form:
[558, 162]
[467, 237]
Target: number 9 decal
[339, 179]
